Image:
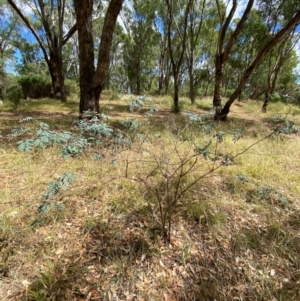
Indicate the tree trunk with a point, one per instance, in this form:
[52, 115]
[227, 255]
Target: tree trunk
[138, 78]
[217, 100]
[167, 79]
[192, 90]
[57, 75]
[224, 49]
[177, 63]
[88, 98]
[161, 74]
[160, 84]
[92, 81]
[191, 75]
[268, 85]
[55, 93]
[277, 38]
[176, 94]
[266, 102]
[240, 96]
[56, 39]
[110, 20]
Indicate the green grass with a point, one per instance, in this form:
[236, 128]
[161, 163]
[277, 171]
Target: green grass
[228, 240]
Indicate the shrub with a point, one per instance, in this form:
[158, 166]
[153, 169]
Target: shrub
[71, 87]
[14, 94]
[275, 97]
[35, 86]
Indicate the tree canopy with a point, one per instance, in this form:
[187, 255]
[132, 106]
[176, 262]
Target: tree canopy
[223, 49]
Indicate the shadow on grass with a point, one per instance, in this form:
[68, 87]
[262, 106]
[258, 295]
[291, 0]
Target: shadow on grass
[10, 120]
[203, 107]
[54, 282]
[223, 271]
[114, 108]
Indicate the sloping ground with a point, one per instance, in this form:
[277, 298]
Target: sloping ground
[235, 235]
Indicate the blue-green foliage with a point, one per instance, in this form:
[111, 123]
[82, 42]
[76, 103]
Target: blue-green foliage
[54, 188]
[105, 116]
[204, 121]
[209, 151]
[95, 127]
[152, 110]
[197, 118]
[242, 178]
[27, 119]
[16, 132]
[208, 128]
[286, 126]
[43, 137]
[228, 160]
[204, 151]
[269, 194]
[138, 103]
[98, 157]
[131, 124]
[220, 136]
[92, 131]
[120, 138]
[114, 163]
[74, 147]
[237, 135]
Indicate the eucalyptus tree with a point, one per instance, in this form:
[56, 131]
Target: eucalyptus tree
[177, 24]
[9, 28]
[91, 78]
[280, 64]
[280, 33]
[46, 22]
[163, 58]
[198, 15]
[225, 44]
[117, 78]
[276, 14]
[247, 45]
[204, 74]
[140, 40]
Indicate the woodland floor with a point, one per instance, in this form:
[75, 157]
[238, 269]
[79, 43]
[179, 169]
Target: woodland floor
[234, 236]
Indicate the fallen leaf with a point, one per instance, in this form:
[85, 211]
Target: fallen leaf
[272, 273]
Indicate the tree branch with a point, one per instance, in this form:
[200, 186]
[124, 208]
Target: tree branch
[25, 20]
[69, 34]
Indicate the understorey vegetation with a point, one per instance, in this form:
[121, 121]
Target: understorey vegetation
[139, 203]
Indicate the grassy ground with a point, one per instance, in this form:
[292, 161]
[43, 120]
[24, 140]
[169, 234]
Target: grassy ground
[234, 233]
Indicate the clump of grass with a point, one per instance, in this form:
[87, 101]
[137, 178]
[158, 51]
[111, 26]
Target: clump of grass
[202, 212]
[51, 282]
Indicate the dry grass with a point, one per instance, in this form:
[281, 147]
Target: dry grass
[227, 241]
